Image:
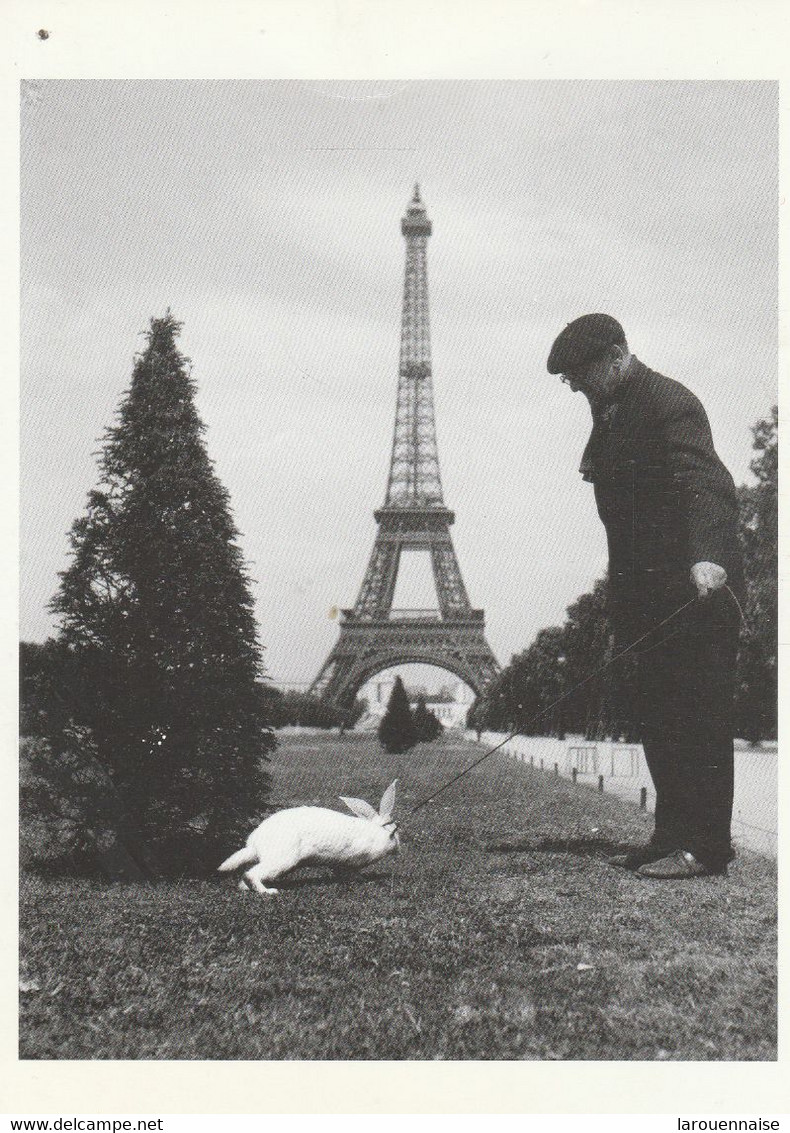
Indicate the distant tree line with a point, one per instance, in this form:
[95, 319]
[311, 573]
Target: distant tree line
[304, 710]
[523, 696]
[529, 695]
[756, 702]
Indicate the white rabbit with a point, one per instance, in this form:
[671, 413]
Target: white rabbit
[314, 835]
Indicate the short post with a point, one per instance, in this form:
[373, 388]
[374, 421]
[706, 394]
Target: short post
[541, 764]
[557, 769]
[600, 784]
[532, 761]
[643, 799]
[574, 773]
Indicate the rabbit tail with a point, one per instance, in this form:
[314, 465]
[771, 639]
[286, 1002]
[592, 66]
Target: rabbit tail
[247, 856]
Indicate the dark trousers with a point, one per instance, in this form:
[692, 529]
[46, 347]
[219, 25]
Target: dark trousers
[686, 686]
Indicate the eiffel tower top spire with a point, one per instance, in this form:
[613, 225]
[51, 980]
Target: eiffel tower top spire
[414, 480]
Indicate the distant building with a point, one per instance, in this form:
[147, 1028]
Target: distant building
[449, 705]
[449, 715]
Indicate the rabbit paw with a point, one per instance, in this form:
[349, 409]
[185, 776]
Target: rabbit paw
[259, 888]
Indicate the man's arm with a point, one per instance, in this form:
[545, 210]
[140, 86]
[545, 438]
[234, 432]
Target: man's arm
[708, 491]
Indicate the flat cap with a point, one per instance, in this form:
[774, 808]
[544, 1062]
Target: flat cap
[583, 341]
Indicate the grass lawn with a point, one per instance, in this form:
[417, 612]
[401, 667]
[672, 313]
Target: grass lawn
[498, 933]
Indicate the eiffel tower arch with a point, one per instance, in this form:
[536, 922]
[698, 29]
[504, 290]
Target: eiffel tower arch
[373, 635]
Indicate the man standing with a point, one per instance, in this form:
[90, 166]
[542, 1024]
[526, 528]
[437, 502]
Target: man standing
[670, 512]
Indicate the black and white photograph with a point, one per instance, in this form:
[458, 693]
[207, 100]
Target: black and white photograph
[398, 570]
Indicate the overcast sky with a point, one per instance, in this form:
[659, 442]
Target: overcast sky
[267, 216]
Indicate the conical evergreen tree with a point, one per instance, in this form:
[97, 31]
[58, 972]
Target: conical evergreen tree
[156, 613]
[426, 726]
[396, 731]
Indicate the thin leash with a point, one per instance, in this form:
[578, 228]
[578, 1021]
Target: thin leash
[565, 695]
[744, 620]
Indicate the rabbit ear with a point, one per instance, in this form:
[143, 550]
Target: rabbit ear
[387, 804]
[359, 807]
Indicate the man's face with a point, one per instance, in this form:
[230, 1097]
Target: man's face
[597, 380]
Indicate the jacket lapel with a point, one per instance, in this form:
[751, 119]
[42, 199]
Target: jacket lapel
[612, 428]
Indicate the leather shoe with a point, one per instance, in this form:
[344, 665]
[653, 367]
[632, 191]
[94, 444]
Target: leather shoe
[679, 865]
[638, 857]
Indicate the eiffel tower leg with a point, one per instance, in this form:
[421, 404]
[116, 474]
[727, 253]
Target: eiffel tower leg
[378, 585]
[447, 576]
[319, 685]
[336, 682]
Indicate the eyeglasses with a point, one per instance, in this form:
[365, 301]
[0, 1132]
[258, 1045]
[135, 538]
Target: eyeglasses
[577, 379]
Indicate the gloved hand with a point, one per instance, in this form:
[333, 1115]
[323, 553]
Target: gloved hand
[708, 577]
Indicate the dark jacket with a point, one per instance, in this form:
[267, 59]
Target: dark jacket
[665, 498]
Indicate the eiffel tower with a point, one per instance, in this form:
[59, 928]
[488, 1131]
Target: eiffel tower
[373, 635]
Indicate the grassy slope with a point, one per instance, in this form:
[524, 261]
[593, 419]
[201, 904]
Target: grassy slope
[466, 946]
